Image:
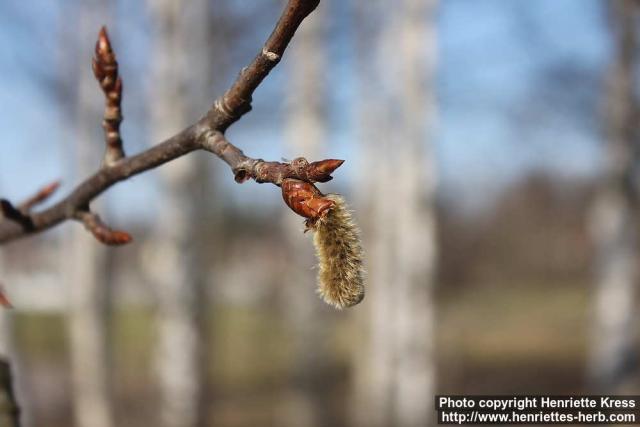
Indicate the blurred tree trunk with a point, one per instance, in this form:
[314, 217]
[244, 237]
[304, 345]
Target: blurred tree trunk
[7, 337]
[9, 407]
[87, 260]
[396, 385]
[10, 359]
[615, 213]
[305, 128]
[373, 359]
[9, 365]
[415, 222]
[179, 50]
[89, 333]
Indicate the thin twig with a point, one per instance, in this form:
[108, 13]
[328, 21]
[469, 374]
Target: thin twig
[205, 134]
[101, 231]
[237, 100]
[12, 215]
[43, 194]
[105, 69]
[245, 168]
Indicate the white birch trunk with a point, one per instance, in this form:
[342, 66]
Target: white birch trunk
[615, 216]
[402, 247]
[177, 271]
[86, 260]
[306, 133]
[373, 361]
[416, 225]
[88, 317]
[9, 353]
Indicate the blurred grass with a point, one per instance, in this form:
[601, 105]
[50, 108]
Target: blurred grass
[236, 334]
[491, 339]
[248, 346]
[506, 339]
[41, 335]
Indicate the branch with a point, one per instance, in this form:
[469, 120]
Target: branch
[261, 171]
[207, 134]
[237, 100]
[11, 214]
[20, 214]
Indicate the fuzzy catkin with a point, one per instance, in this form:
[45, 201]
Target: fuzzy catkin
[339, 252]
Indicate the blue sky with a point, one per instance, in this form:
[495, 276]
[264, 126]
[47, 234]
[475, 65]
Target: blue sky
[504, 109]
[518, 89]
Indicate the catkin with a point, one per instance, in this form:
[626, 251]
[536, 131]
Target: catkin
[339, 251]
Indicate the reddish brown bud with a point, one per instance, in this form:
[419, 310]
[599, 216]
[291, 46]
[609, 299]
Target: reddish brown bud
[111, 237]
[98, 72]
[105, 69]
[43, 194]
[119, 238]
[321, 171]
[305, 199]
[104, 64]
[4, 300]
[48, 190]
[101, 231]
[118, 89]
[103, 44]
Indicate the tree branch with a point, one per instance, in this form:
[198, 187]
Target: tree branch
[207, 134]
[245, 168]
[237, 100]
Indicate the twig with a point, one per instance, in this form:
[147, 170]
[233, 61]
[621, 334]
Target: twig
[245, 168]
[101, 231]
[43, 194]
[105, 68]
[237, 100]
[205, 134]
[10, 214]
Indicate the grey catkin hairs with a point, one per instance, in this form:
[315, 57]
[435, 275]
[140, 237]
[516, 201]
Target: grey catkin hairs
[340, 256]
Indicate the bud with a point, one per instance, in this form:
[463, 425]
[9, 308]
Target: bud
[305, 199]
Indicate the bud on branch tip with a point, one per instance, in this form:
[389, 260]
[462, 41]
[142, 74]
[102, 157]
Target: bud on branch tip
[101, 231]
[105, 69]
[321, 171]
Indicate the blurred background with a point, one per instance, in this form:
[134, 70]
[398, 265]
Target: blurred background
[491, 160]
